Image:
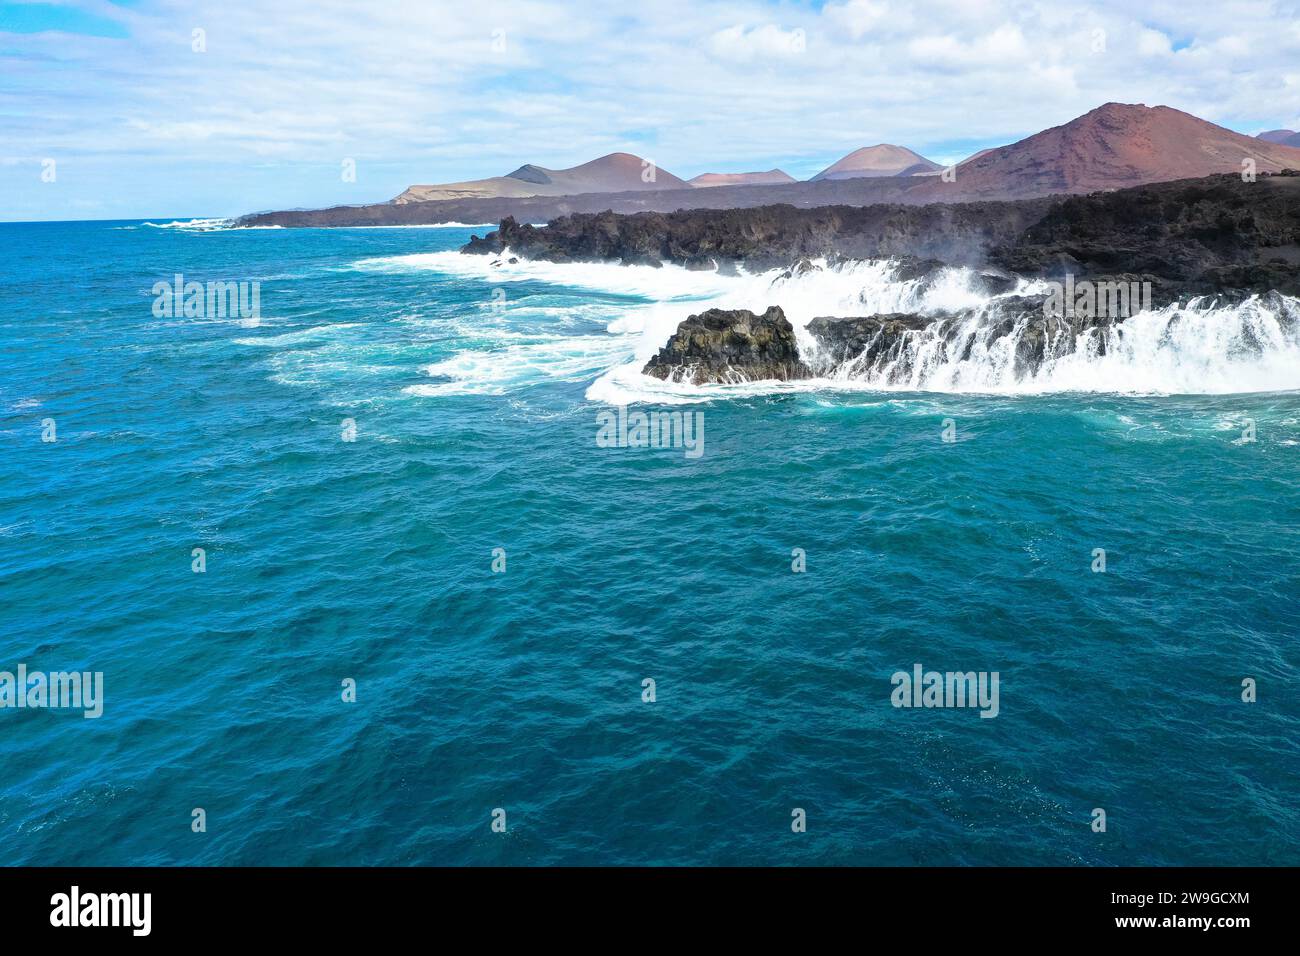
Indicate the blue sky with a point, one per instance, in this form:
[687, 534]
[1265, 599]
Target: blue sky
[64, 18]
[159, 108]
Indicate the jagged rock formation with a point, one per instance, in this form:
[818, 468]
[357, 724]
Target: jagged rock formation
[843, 339]
[1192, 237]
[770, 236]
[885, 348]
[730, 346]
[1011, 338]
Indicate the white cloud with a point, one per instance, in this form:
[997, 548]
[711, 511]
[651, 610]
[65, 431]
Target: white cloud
[1004, 45]
[1154, 43]
[418, 91]
[856, 17]
[741, 43]
[1234, 46]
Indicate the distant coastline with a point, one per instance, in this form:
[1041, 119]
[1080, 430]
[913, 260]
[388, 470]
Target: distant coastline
[1114, 146]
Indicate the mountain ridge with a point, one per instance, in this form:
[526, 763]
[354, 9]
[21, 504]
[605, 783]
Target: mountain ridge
[770, 177]
[1115, 146]
[613, 172]
[1112, 147]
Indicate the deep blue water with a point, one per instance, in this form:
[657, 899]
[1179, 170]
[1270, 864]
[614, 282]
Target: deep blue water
[371, 560]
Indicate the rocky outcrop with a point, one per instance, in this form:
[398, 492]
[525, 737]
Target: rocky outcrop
[1008, 339]
[1194, 237]
[770, 237]
[886, 347]
[1164, 243]
[864, 340]
[720, 346]
[730, 346]
[1016, 333]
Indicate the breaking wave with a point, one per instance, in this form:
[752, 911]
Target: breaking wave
[974, 343]
[200, 225]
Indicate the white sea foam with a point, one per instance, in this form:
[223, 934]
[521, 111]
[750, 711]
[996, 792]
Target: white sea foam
[202, 225]
[1199, 348]
[317, 333]
[1249, 347]
[645, 282]
[494, 372]
[188, 224]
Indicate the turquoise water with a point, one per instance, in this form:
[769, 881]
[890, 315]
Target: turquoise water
[371, 560]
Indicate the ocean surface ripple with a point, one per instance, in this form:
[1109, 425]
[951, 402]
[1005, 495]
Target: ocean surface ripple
[474, 391]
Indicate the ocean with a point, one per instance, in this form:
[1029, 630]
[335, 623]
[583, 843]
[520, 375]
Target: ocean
[365, 588]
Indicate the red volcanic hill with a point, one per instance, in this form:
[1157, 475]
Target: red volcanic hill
[884, 159]
[1114, 146]
[615, 173]
[772, 177]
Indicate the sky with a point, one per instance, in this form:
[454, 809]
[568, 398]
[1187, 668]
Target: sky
[163, 108]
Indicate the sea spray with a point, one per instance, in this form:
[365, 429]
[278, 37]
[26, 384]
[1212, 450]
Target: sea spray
[1201, 347]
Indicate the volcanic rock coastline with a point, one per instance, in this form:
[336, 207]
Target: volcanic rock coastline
[1218, 237]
